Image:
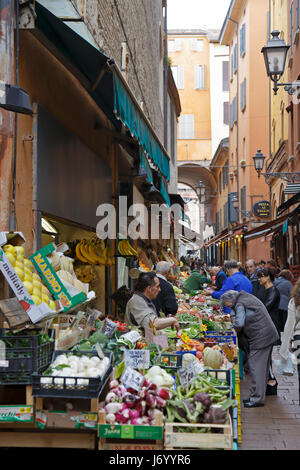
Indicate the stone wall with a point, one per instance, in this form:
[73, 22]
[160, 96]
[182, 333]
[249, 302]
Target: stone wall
[139, 23]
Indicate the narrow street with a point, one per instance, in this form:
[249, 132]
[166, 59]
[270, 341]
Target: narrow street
[276, 426]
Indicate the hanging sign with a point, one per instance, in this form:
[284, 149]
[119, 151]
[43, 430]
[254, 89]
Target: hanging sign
[133, 379]
[262, 209]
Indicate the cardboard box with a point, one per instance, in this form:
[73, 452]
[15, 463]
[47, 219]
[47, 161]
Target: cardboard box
[66, 420]
[16, 413]
[35, 312]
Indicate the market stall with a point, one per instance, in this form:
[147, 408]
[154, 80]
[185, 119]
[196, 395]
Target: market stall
[71, 376]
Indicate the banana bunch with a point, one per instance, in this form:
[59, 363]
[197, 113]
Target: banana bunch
[61, 262]
[91, 252]
[67, 276]
[86, 273]
[126, 249]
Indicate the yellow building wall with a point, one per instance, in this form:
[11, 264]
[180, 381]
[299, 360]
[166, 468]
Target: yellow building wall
[196, 102]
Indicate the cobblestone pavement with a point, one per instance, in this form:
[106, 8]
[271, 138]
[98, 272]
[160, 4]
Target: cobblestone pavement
[276, 426]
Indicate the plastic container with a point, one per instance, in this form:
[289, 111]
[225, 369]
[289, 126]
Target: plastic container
[72, 387]
[225, 338]
[25, 355]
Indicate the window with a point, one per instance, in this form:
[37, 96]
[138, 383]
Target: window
[186, 126]
[226, 168]
[243, 40]
[197, 45]
[243, 201]
[217, 222]
[225, 75]
[231, 67]
[243, 95]
[178, 74]
[220, 182]
[174, 45]
[225, 210]
[226, 113]
[297, 15]
[268, 26]
[199, 77]
[233, 112]
[235, 58]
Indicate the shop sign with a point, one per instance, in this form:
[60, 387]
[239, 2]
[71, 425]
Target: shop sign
[137, 358]
[53, 282]
[188, 374]
[261, 209]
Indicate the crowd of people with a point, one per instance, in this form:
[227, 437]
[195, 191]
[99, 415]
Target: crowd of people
[265, 311]
[261, 299]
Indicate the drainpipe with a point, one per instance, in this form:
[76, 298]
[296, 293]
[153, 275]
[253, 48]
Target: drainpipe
[6, 117]
[237, 127]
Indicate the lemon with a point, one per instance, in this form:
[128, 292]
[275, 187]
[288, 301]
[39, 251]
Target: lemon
[36, 299]
[37, 283]
[37, 291]
[36, 277]
[45, 299]
[27, 278]
[19, 272]
[28, 286]
[52, 305]
[9, 249]
[45, 290]
[20, 265]
[20, 250]
[28, 264]
[11, 258]
[27, 271]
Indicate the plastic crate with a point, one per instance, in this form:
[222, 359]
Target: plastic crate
[225, 338]
[80, 387]
[218, 374]
[170, 361]
[24, 355]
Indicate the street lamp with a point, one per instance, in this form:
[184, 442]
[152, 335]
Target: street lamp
[275, 54]
[200, 191]
[259, 163]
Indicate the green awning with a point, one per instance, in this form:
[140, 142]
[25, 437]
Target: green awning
[101, 79]
[164, 191]
[128, 113]
[145, 164]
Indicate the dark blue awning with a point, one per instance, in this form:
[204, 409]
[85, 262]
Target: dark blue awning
[104, 84]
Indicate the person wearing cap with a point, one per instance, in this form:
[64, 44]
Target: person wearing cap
[165, 301]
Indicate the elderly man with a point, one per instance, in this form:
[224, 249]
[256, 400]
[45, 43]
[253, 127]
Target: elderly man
[252, 321]
[140, 310]
[166, 301]
[220, 277]
[252, 276]
[235, 280]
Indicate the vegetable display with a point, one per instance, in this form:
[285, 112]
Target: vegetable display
[128, 406]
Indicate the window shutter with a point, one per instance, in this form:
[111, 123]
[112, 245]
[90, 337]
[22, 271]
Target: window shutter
[292, 27]
[297, 15]
[231, 65]
[171, 45]
[186, 126]
[194, 44]
[244, 100]
[235, 58]
[243, 200]
[199, 77]
[225, 76]
[175, 74]
[225, 113]
[268, 25]
[177, 45]
[180, 77]
[242, 39]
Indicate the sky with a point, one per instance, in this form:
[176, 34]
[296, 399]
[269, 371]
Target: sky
[197, 14]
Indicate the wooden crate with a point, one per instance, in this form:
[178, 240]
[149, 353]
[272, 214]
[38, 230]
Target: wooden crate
[190, 440]
[129, 444]
[67, 440]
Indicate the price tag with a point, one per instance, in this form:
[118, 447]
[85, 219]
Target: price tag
[133, 379]
[188, 374]
[109, 327]
[130, 338]
[99, 351]
[137, 358]
[4, 363]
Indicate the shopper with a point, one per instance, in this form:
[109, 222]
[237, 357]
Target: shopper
[252, 321]
[284, 285]
[195, 281]
[271, 264]
[235, 280]
[140, 310]
[220, 277]
[252, 276]
[261, 264]
[241, 269]
[270, 297]
[292, 329]
[165, 301]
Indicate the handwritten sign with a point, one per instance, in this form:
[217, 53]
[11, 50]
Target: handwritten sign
[99, 351]
[130, 339]
[109, 328]
[137, 358]
[189, 373]
[133, 379]
[160, 339]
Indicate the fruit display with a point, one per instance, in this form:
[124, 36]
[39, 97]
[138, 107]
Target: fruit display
[125, 248]
[86, 274]
[94, 252]
[26, 272]
[73, 281]
[61, 262]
